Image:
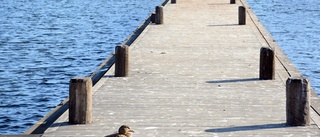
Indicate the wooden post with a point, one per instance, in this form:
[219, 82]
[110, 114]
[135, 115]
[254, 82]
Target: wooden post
[122, 61]
[267, 64]
[80, 100]
[173, 1]
[153, 17]
[298, 102]
[242, 15]
[232, 1]
[159, 15]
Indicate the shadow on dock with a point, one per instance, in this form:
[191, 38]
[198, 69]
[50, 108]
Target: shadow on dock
[221, 25]
[60, 124]
[248, 128]
[233, 80]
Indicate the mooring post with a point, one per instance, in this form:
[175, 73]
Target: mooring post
[80, 100]
[159, 15]
[232, 1]
[298, 102]
[122, 61]
[153, 17]
[173, 1]
[267, 64]
[242, 15]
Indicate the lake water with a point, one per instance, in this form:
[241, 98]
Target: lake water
[295, 25]
[44, 43]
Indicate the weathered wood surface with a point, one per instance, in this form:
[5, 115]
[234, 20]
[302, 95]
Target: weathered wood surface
[122, 61]
[195, 75]
[298, 101]
[80, 100]
[159, 15]
[242, 15]
[267, 66]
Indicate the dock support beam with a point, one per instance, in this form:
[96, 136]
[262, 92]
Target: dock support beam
[267, 64]
[80, 100]
[232, 1]
[122, 61]
[242, 15]
[173, 1]
[159, 15]
[298, 102]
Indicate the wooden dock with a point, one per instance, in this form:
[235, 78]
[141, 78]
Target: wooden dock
[195, 75]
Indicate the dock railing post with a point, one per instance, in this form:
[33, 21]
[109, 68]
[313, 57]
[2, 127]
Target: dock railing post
[159, 15]
[173, 1]
[153, 17]
[122, 61]
[267, 64]
[80, 100]
[242, 15]
[298, 102]
[232, 1]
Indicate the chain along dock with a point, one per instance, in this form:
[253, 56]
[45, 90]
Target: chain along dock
[202, 68]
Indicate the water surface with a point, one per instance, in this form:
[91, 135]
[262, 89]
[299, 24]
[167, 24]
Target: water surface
[44, 43]
[295, 26]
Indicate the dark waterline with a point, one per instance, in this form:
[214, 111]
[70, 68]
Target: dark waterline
[44, 43]
[295, 25]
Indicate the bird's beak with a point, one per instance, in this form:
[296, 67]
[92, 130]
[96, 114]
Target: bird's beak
[131, 131]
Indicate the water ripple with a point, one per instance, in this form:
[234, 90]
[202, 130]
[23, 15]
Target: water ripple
[295, 26]
[44, 43]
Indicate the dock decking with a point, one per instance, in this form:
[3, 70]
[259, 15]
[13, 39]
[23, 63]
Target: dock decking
[195, 75]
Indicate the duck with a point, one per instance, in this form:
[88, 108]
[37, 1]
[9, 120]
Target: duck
[124, 131]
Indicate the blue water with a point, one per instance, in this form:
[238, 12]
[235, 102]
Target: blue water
[295, 25]
[44, 43]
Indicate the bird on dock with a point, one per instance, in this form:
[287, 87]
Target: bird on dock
[124, 131]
